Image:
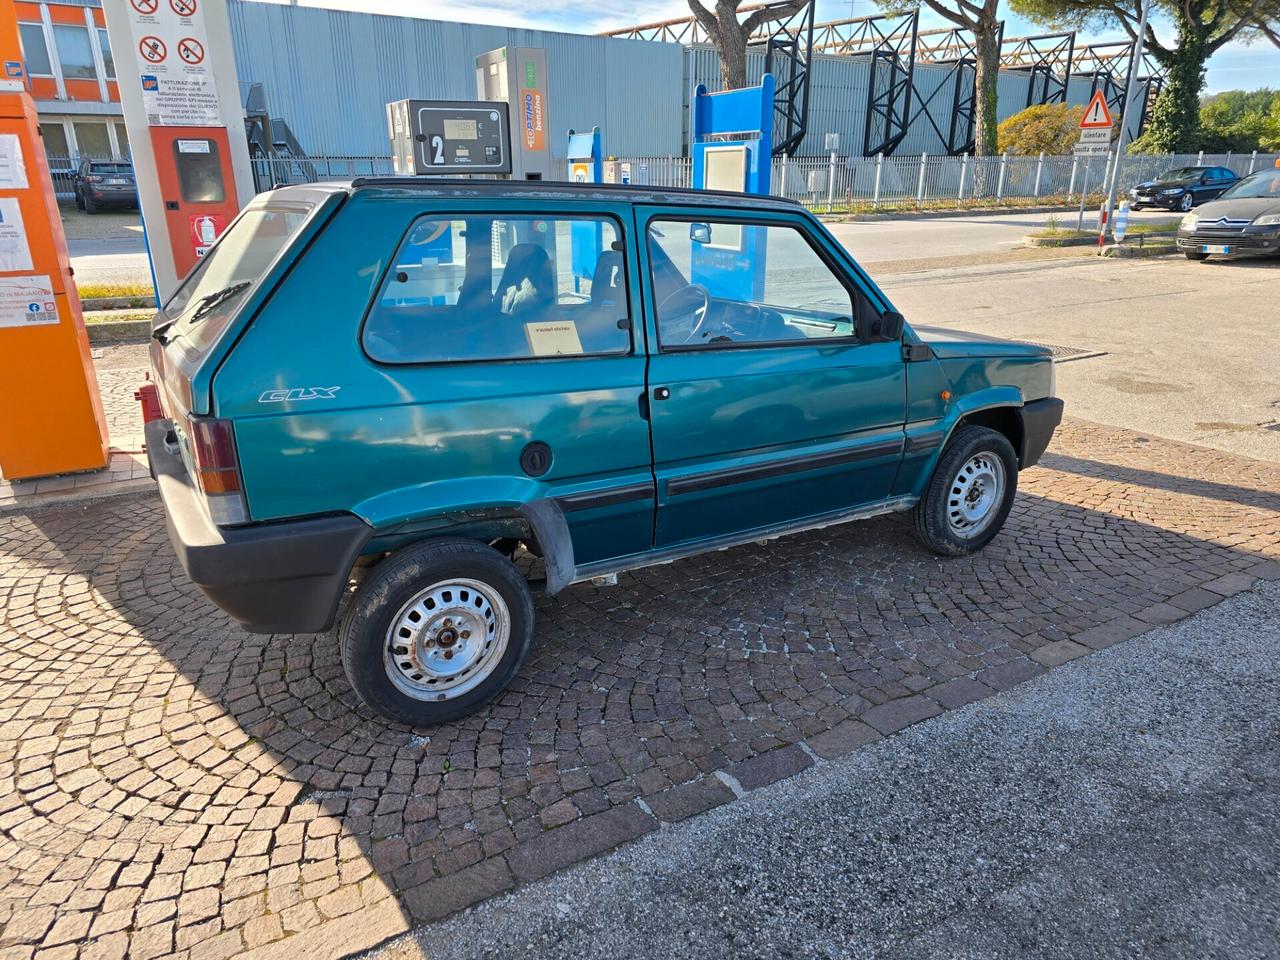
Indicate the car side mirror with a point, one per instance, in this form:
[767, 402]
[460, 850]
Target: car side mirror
[700, 232]
[890, 325]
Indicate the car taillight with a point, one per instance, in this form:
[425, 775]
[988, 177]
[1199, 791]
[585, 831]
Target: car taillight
[94, 178]
[213, 445]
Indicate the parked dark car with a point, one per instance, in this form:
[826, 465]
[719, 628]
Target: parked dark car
[1243, 222]
[1181, 188]
[104, 183]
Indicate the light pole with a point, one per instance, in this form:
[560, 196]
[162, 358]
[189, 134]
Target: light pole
[1130, 82]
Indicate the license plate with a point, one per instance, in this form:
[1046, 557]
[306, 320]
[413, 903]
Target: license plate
[116, 182]
[1214, 248]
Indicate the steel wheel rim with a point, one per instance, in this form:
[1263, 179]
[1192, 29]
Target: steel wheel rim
[447, 640]
[975, 495]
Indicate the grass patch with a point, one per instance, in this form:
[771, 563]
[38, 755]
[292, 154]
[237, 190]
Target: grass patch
[92, 317]
[1054, 230]
[141, 292]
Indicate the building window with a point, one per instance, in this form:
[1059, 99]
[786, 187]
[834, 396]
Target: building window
[54, 136]
[74, 52]
[107, 63]
[34, 50]
[93, 139]
[122, 138]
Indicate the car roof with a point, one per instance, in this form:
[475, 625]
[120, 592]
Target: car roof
[461, 188]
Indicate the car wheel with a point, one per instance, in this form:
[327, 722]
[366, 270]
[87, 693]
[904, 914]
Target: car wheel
[90, 206]
[1135, 207]
[436, 631]
[1186, 203]
[79, 201]
[1196, 254]
[970, 493]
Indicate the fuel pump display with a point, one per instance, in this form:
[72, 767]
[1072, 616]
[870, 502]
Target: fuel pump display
[444, 137]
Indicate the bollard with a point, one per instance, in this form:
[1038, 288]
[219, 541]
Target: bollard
[1004, 159]
[920, 184]
[1039, 169]
[1075, 163]
[831, 183]
[964, 167]
[1120, 224]
[875, 199]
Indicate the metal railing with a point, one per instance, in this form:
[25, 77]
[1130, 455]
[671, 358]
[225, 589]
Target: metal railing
[826, 184]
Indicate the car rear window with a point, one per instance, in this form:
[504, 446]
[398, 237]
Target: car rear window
[115, 169]
[210, 295]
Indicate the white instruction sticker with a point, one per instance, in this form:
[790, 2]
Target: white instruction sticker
[193, 146]
[15, 252]
[13, 171]
[27, 302]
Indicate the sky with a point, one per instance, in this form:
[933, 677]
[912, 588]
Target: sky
[1236, 66]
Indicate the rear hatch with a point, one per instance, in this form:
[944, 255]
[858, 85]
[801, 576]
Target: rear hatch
[198, 324]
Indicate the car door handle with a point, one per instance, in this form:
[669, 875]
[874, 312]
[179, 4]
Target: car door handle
[661, 393]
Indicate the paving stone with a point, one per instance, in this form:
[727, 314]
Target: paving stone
[154, 743]
[438, 898]
[766, 768]
[556, 849]
[686, 799]
[843, 738]
[893, 716]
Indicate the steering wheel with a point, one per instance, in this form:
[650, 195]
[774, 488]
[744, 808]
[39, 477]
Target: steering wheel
[696, 308]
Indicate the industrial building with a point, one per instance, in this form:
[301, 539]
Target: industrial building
[860, 86]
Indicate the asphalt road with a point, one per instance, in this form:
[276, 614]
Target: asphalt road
[871, 241]
[1125, 805]
[109, 248]
[1173, 334]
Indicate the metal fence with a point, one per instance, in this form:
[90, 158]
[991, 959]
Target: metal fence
[826, 184]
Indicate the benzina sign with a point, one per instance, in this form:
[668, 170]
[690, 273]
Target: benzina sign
[533, 115]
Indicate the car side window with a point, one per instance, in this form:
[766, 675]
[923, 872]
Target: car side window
[721, 283]
[502, 288]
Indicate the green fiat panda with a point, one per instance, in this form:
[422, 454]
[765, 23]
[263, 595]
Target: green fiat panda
[387, 388]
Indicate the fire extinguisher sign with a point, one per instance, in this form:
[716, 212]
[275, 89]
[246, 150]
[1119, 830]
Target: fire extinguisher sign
[206, 228]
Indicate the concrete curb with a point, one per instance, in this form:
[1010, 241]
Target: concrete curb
[1131, 252]
[117, 331]
[76, 496]
[938, 214]
[89, 304]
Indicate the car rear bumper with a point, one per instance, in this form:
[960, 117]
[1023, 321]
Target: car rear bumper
[1039, 419]
[280, 577]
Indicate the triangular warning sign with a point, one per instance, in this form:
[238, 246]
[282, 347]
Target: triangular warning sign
[1096, 113]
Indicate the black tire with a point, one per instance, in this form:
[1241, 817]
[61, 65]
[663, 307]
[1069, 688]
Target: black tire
[90, 206]
[1135, 207]
[79, 201]
[383, 596]
[930, 516]
[1196, 254]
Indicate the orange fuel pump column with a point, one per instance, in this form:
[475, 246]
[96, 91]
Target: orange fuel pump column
[51, 418]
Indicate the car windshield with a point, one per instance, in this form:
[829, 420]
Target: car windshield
[209, 296]
[115, 169]
[1181, 173]
[1264, 183]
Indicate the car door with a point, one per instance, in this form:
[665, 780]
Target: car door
[1222, 179]
[770, 399]
[502, 332]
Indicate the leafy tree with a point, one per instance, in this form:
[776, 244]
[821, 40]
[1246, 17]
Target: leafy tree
[1051, 128]
[1203, 27]
[1240, 121]
[730, 35]
[979, 18]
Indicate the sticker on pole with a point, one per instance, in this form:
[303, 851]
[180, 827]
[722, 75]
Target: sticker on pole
[27, 302]
[1096, 113]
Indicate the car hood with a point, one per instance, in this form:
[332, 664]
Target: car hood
[947, 344]
[1237, 208]
[1162, 184]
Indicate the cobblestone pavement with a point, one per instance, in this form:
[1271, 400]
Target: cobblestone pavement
[128, 463]
[170, 784]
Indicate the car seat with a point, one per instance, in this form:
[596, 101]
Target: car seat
[528, 283]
